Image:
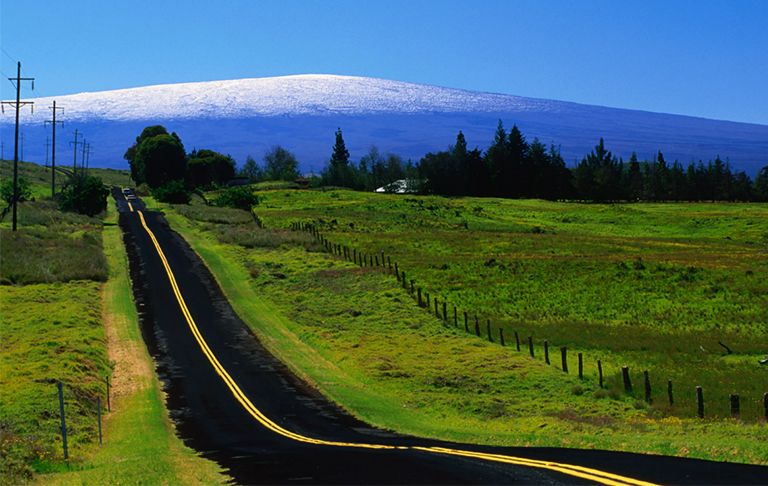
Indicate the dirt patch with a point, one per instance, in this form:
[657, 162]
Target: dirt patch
[132, 371]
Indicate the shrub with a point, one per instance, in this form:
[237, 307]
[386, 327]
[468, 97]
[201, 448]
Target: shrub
[6, 190]
[172, 192]
[238, 198]
[84, 195]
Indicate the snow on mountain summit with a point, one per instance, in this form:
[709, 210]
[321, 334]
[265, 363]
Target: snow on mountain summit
[310, 94]
[248, 116]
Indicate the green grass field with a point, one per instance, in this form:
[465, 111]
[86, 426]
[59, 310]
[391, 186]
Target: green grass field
[642, 292]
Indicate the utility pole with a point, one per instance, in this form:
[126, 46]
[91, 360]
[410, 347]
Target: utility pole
[47, 145]
[75, 143]
[82, 164]
[88, 159]
[18, 104]
[53, 151]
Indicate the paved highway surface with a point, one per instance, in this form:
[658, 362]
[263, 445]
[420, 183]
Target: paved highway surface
[241, 407]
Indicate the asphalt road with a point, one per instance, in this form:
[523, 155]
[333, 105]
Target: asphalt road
[303, 438]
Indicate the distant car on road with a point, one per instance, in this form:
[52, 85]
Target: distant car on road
[126, 191]
[131, 197]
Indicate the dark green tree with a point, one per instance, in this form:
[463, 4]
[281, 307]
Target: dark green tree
[280, 164]
[632, 180]
[206, 168]
[173, 192]
[518, 172]
[238, 198]
[158, 160]
[741, 187]
[340, 156]
[84, 195]
[130, 154]
[339, 172]
[471, 168]
[598, 175]
[252, 170]
[498, 161]
[760, 186]
[439, 173]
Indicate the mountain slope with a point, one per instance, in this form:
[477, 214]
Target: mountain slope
[248, 116]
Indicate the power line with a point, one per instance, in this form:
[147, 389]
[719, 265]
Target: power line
[6, 53]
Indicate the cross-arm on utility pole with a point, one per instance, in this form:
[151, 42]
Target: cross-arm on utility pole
[18, 104]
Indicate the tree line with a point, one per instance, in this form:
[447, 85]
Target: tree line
[511, 167]
[514, 168]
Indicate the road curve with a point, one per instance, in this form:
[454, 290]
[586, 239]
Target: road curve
[239, 406]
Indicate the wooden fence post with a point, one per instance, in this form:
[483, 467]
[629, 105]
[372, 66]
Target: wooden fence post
[669, 392]
[501, 336]
[412, 283]
[60, 385]
[564, 358]
[445, 312]
[389, 263]
[647, 387]
[397, 272]
[530, 345]
[581, 367]
[488, 329]
[517, 341]
[625, 375]
[437, 311]
[765, 404]
[98, 413]
[735, 412]
[699, 402]
[477, 327]
[600, 372]
[546, 351]
[466, 322]
[419, 296]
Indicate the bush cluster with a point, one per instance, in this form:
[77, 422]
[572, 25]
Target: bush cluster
[238, 198]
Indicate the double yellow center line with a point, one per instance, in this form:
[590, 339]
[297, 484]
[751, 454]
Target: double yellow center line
[578, 471]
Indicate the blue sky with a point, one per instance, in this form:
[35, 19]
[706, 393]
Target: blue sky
[698, 58]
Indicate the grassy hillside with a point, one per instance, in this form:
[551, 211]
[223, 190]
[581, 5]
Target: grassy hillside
[644, 286]
[40, 176]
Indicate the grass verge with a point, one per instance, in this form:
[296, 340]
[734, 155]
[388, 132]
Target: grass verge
[140, 444]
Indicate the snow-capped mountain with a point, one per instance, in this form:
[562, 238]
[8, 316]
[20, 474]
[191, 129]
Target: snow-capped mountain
[301, 113]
